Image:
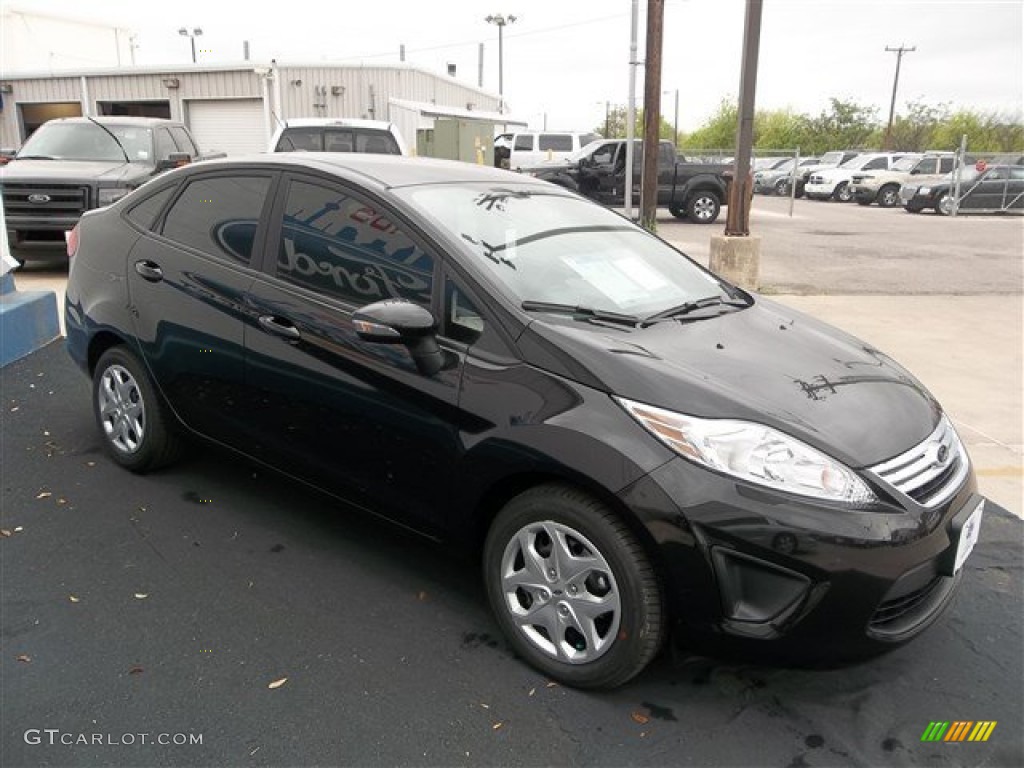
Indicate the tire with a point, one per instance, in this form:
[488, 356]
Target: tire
[842, 193]
[703, 207]
[782, 187]
[132, 418]
[909, 209]
[944, 205]
[888, 196]
[677, 210]
[549, 615]
[861, 201]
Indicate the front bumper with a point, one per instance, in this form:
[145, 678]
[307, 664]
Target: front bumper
[821, 191]
[796, 577]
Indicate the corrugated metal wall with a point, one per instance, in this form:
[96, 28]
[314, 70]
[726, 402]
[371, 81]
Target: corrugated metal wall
[306, 91]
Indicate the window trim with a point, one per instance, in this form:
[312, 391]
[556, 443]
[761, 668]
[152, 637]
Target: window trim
[259, 241]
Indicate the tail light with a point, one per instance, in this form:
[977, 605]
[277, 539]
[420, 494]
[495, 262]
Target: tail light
[72, 241]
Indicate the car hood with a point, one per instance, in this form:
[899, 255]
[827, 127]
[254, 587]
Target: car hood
[73, 171]
[767, 364]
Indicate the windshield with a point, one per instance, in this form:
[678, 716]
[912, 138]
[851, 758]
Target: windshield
[88, 141]
[858, 162]
[831, 158]
[543, 246]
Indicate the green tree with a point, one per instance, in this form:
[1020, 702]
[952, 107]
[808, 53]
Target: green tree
[617, 125]
[717, 132]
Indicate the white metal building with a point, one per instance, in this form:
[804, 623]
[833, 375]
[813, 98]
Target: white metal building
[235, 108]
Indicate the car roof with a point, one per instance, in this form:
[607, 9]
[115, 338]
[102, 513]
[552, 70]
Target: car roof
[142, 122]
[387, 171]
[342, 122]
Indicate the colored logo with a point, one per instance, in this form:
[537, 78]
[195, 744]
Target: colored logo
[959, 730]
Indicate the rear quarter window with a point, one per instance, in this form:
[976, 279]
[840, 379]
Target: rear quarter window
[144, 214]
[556, 142]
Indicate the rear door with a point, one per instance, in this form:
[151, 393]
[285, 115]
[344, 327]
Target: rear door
[187, 281]
[355, 418]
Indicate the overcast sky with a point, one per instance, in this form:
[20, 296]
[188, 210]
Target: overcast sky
[564, 59]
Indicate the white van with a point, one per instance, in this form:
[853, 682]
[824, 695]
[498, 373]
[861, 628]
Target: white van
[536, 147]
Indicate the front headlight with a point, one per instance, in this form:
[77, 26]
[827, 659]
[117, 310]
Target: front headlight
[111, 195]
[753, 452]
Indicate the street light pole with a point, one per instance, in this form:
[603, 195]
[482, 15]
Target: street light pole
[500, 20]
[896, 80]
[196, 32]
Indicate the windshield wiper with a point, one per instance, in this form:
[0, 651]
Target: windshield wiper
[579, 312]
[686, 308]
[116, 140]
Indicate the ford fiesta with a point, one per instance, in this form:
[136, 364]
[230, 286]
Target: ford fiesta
[634, 445]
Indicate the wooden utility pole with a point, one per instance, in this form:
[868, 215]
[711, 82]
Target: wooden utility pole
[652, 114]
[737, 220]
[887, 143]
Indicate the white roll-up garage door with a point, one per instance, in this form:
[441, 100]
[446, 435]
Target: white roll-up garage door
[234, 126]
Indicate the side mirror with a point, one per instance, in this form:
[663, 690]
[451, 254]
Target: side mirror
[174, 160]
[397, 321]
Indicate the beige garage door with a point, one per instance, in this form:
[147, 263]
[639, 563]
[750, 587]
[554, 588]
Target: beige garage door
[234, 126]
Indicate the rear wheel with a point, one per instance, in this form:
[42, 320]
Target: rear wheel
[703, 207]
[889, 196]
[572, 589]
[782, 187]
[132, 419]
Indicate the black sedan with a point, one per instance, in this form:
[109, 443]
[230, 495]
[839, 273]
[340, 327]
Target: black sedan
[631, 443]
[991, 189]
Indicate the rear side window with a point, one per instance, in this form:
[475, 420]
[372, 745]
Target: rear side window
[219, 215]
[878, 163]
[376, 143]
[557, 142]
[301, 139]
[144, 214]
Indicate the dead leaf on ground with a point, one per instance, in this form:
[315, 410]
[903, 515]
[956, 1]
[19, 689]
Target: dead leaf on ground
[141, 595]
[90, 463]
[18, 529]
[5, 533]
[532, 691]
[25, 658]
[278, 683]
[44, 495]
[136, 670]
[551, 685]
[421, 596]
[73, 599]
[496, 726]
[641, 718]
[61, 502]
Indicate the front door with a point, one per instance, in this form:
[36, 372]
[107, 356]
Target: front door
[353, 417]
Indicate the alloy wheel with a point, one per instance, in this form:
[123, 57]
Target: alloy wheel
[122, 409]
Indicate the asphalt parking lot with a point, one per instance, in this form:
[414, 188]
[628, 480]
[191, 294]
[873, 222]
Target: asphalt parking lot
[167, 605]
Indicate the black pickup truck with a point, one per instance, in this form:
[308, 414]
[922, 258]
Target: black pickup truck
[71, 165]
[692, 191]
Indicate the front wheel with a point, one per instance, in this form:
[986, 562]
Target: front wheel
[889, 196]
[782, 187]
[572, 589]
[131, 417]
[944, 205]
[703, 207]
[843, 193]
[677, 210]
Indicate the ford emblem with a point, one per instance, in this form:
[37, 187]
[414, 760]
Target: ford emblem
[39, 198]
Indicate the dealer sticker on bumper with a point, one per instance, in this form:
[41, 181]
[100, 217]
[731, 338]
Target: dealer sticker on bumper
[968, 536]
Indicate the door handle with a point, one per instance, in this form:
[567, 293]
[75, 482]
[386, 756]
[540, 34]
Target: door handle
[280, 327]
[150, 271]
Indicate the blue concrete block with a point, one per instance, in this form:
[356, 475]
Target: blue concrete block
[28, 321]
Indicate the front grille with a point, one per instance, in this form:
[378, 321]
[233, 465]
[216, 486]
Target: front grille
[817, 179]
[64, 200]
[905, 613]
[931, 471]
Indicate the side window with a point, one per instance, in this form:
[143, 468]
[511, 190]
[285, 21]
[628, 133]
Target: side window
[524, 142]
[219, 215]
[666, 155]
[144, 214]
[879, 163]
[165, 146]
[463, 321]
[336, 244]
[945, 165]
[604, 155]
[300, 139]
[183, 140]
[557, 142]
[1017, 173]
